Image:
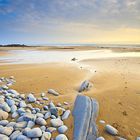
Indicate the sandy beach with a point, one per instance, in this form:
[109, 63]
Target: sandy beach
[115, 86]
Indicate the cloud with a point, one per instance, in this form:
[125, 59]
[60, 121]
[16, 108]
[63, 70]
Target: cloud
[66, 18]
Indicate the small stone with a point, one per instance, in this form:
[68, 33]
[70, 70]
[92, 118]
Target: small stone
[6, 130]
[5, 107]
[84, 86]
[24, 131]
[21, 111]
[10, 102]
[66, 103]
[56, 122]
[61, 137]
[22, 96]
[22, 104]
[51, 129]
[53, 92]
[40, 115]
[46, 107]
[120, 138]
[20, 119]
[29, 117]
[45, 98]
[53, 117]
[46, 136]
[31, 98]
[13, 108]
[62, 129]
[47, 115]
[21, 124]
[15, 114]
[22, 137]
[51, 104]
[40, 121]
[43, 128]
[66, 115]
[4, 137]
[102, 121]
[3, 115]
[34, 133]
[11, 124]
[59, 104]
[100, 138]
[4, 122]
[30, 124]
[42, 94]
[15, 134]
[13, 92]
[111, 130]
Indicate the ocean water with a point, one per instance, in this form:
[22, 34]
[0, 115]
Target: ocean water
[37, 56]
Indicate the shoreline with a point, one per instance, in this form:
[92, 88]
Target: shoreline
[115, 86]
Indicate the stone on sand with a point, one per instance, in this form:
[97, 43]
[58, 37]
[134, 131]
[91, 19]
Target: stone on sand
[66, 115]
[56, 122]
[111, 130]
[62, 129]
[40, 121]
[84, 86]
[53, 92]
[31, 98]
[100, 138]
[61, 137]
[46, 136]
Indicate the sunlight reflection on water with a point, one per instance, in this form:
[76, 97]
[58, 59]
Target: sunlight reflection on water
[36, 56]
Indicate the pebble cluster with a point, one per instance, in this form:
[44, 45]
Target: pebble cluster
[20, 119]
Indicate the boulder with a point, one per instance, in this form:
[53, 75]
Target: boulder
[85, 114]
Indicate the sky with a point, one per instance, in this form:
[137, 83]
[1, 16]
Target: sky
[69, 21]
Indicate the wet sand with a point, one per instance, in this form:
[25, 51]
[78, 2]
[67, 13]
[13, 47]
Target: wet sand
[115, 86]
